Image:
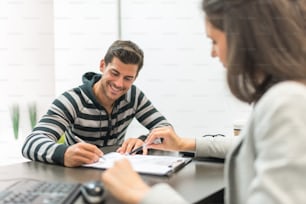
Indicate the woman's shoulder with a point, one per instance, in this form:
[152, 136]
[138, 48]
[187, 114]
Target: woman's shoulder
[289, 87]
[288, 93]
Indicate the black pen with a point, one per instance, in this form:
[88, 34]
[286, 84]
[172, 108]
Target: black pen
[137, 149]
[156, 141]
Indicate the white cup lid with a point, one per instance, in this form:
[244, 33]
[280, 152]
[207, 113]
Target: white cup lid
[238, 124]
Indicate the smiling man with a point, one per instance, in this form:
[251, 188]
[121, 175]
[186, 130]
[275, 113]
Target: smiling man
[98, 112]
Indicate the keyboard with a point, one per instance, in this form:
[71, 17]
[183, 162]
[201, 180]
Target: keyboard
[39, 192]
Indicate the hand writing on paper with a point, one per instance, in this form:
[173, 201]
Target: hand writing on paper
[81, 153]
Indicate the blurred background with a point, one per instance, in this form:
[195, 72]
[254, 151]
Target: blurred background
[46, 46]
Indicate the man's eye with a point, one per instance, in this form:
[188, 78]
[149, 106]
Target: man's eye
[115, 73]
[128, 79]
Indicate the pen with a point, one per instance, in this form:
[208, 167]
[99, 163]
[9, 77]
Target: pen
[80, 140]
[156, 141]
[138, 149]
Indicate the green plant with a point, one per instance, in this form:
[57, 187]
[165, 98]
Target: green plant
[32, 114]
[15, 114]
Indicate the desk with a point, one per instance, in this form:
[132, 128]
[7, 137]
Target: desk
[195, 182]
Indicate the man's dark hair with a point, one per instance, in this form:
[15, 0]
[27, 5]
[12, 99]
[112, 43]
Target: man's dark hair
[126, 51]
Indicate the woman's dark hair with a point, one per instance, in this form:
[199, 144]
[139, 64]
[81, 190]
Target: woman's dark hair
[265, 42]
[126, 51]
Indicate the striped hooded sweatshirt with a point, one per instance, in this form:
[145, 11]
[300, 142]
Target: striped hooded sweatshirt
[78, 113]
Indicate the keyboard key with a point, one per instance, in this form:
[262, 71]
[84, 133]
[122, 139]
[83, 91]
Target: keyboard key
[39, 192]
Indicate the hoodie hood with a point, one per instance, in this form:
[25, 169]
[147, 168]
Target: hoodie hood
[90, 78]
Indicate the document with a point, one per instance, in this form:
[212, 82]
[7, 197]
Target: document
[145, 164]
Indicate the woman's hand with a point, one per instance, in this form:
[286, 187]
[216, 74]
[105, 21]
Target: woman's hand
[124, 183]
[170, 140]
[131, 144]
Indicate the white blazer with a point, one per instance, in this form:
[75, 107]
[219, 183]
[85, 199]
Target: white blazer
[268, 165]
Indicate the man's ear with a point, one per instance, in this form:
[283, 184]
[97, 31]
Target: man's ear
[102, 65]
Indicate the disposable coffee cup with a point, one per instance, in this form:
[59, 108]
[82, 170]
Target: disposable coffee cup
[238, 126]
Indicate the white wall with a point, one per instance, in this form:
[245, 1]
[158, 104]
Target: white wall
[26, 59]
[179, 76]
[48, 46]
[83, 31]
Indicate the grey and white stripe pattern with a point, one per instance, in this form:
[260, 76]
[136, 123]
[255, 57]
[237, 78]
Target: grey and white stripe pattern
[77, 113]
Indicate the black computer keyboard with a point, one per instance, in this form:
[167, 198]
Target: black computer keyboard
[39, 192]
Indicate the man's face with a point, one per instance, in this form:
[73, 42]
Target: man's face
[219, 44]
[117, 78]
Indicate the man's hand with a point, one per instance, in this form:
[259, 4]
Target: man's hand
[131, 144]
[81, 153]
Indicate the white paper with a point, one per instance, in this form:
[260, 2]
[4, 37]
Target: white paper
[148, 164]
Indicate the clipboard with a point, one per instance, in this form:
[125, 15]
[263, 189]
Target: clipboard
[144, 164]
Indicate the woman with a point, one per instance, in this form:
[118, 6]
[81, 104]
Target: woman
[262, 45]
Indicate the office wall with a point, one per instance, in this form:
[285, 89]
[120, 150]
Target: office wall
[83, 31]
[65, 38]
[26, 60]
[179, 76]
